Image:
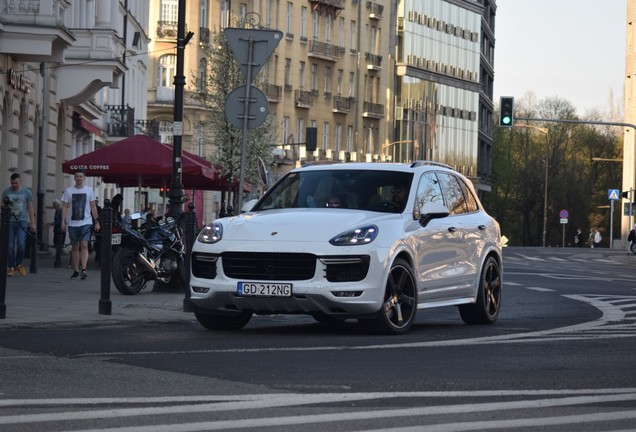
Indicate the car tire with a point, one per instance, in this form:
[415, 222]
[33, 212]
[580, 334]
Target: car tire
[399, 305]
[222, 322]
[485, 310]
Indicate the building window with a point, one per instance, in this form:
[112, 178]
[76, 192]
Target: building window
[314, 77]
[301, 75]
[290, 11]
[339, 83]
[352, 36]
[242, 12]
[352, 80]
[327, 80]
[203, 13]
[314, 24]
[169, 11]
[167, 70]
[349, 138]
[223, 14]
[328, 29]
[325, 136]
[341, 30]
[303, 23]
[287, 73]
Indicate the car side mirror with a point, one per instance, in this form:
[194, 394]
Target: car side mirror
[432, 210]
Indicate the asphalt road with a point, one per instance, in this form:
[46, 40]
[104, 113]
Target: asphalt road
[561, 357]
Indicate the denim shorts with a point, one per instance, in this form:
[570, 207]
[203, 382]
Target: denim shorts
[76, 234]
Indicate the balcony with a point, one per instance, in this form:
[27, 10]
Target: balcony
[375, 10]
[372, 110]
[342, 105]
[374, 61]
[120, 122]
[273, 92]
[324, 51]
[303, 99]
[327, 7]
[33, 30]
[167, 29]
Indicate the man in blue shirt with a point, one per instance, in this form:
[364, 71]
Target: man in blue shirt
[22, 218]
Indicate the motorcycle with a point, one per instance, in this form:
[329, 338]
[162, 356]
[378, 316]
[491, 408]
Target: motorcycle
[155, 251]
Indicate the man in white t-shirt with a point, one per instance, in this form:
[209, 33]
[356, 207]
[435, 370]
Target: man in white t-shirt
[82, 203]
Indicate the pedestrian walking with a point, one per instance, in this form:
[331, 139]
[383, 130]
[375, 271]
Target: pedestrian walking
[631, 241]
[81, 201]
[597, 239]
[22, 219]
[578, 238]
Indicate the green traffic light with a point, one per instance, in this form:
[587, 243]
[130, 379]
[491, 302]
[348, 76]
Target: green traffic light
[505, 120]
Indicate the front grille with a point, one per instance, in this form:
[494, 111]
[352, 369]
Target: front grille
[269, 266]
[204, 265]
[346, 268]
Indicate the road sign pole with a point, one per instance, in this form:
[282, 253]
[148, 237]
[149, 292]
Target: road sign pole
[246, 110]
[611, 223]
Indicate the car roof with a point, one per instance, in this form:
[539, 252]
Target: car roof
[375, 166]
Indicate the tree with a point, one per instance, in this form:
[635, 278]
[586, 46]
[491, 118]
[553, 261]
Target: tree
[576, 181]
[223, 76]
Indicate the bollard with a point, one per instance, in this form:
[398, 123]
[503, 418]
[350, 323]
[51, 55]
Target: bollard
[190, 226]
[33, 267]
[5, 217]
[106, 226]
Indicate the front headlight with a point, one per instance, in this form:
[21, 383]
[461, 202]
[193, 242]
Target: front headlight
[211, 233]
[358, 236]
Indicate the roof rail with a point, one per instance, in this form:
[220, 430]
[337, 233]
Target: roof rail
[432, 163]
[321, 162]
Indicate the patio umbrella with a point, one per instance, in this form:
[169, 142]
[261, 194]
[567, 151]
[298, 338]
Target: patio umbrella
[146, 162]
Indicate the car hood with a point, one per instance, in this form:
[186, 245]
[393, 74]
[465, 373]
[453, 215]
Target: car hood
[300, 225]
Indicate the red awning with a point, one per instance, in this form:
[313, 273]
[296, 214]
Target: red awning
[85, 124]
[143, 161]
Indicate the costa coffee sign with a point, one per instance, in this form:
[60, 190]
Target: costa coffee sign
[18, 81]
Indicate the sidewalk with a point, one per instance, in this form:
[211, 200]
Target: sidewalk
[49, 298]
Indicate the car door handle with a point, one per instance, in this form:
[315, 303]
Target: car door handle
[452, 229]
[481, 227]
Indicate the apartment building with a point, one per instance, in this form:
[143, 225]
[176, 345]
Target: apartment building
[380, 80]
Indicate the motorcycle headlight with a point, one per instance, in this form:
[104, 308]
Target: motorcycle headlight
[358, 236]
[211, 233]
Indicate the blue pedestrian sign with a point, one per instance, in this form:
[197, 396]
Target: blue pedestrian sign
[613, 194]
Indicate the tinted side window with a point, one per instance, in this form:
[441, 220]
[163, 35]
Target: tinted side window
[471, 201]
[428, 190]
[453, 193]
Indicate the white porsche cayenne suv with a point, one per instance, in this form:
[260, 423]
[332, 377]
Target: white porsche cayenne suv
[368, 241]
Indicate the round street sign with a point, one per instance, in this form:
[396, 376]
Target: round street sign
[257, 107]
[564, 214]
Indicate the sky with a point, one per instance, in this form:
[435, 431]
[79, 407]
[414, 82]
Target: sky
[573, 49]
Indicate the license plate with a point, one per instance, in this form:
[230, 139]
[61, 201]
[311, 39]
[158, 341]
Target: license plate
[116, 239]
[264, 289]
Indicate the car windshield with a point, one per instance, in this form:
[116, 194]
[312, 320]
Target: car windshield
[374, 190]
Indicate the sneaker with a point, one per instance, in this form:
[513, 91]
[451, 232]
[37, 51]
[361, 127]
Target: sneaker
[11, 272]
[21, 270]
[83, 275]
[75, 275]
